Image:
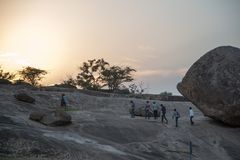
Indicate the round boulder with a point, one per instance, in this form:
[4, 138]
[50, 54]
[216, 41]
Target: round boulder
[141, 112]
[37, 116]
[56, 118]
[213, 84]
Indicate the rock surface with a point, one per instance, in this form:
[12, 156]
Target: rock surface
[213, 84]
[102, 129]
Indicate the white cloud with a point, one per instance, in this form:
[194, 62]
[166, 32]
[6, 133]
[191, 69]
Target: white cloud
[161, 72]
[13, 59]
[7, 55]
[146, 48]
[127, 61]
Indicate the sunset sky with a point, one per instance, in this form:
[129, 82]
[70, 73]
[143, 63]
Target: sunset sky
[160, 39]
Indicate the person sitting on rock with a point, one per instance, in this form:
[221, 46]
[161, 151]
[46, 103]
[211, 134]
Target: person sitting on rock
[64, 101]
[175, 116]
[132, 109]
[191, 115]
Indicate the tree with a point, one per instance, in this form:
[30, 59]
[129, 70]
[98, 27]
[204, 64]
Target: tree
[6, 75]
[137, 89]
[165, 93]
[114, 76]
[133, 88]
[32, 75]
[90, 71]
[70, 81]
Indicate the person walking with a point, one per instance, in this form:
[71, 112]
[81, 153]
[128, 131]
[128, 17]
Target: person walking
[163, 110]
[132, 109]
[191, 115]
[175, 116]
[155, 110]
[147, 110]
[64, 101]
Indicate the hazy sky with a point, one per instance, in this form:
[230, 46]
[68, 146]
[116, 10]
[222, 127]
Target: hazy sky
[160, 39]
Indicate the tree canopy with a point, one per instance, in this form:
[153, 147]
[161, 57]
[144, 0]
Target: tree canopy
[89, 75]
[96, 74]
[32, 75]
[114, 76]
[6, 75]
[165, 93]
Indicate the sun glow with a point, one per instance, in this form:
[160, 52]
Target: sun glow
[35, 42]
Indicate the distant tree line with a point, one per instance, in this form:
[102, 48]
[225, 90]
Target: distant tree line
[165, 93]
[28, 74]
[95, 74]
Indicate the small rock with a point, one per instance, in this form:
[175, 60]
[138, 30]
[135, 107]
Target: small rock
[36, 116]
[24, 97]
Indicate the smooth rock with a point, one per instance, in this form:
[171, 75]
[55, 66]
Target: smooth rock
[213, 84]
[56, 118]
[37, 116]
[24, 97]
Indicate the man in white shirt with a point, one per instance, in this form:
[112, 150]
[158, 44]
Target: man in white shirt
[191, 115]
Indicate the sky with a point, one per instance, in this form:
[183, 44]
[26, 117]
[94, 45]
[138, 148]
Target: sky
[161, 39]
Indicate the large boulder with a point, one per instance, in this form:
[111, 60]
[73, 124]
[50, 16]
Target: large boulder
[56, 118]
[24, 97]
[213, 84]
[37, 116]
[140, 111]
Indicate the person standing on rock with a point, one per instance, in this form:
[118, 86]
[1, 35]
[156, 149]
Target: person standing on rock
[147, 110]
[132, 109]
[163, 110]
[155, 110]
[64, 101]
[175, 116]
[191, 115]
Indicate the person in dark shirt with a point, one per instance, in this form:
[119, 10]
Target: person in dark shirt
[163, 110]
[64, 101]
[132, 109]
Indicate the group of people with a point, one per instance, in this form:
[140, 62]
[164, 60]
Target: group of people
[153, 109]
[149, 111]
